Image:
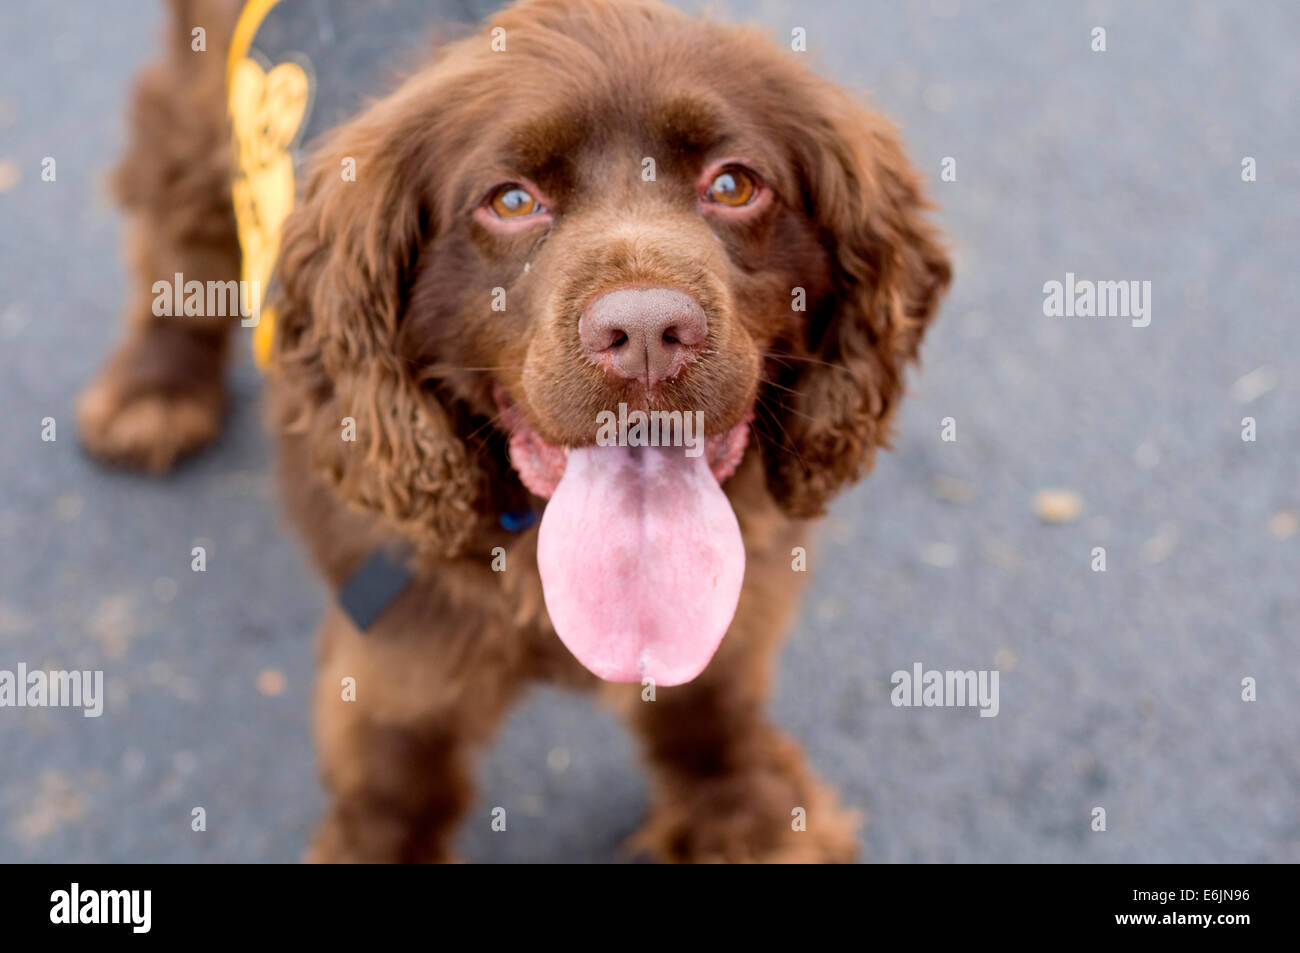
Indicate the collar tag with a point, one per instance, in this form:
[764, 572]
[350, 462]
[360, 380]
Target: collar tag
[516, 521]
[372, 587]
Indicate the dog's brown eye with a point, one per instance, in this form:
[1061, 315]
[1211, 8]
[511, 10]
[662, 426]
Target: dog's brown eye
[513, 201]
[732, 187]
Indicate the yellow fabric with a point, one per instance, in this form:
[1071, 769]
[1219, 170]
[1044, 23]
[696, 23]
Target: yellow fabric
[266, 109]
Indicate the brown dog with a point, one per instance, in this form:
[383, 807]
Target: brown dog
[625, 206]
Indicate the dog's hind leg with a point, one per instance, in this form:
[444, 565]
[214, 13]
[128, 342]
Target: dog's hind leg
[161, 393]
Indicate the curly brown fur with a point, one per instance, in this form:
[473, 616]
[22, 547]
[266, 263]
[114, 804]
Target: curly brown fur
[386, 318]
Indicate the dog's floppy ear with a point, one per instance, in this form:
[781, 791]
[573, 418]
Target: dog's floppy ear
[347, 257]
[844, 379]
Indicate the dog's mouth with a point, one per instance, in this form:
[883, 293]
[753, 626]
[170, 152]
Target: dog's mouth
[639, 551]
[542, 464]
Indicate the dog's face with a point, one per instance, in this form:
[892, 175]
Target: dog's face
[625, 241]
[624, 206]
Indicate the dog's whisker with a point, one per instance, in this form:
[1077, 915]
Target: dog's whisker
[772, 383]
[786, 408]
[442, 369]
[781, 358]
[490, 425]
[788, 445]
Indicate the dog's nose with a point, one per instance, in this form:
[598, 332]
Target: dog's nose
[645, 334]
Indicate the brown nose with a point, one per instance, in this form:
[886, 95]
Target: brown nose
[645, 334]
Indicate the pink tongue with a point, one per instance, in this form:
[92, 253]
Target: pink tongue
[641, 562]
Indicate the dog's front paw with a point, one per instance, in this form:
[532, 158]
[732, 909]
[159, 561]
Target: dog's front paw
[359, 835]
[147, 425]
[751, 817]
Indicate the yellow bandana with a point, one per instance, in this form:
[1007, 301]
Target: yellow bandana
[298, 68]
[267, 108]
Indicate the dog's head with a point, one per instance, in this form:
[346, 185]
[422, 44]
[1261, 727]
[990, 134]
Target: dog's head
[594, 204]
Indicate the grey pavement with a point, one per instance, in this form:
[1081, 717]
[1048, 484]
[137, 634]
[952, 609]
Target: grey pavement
[1119, 690]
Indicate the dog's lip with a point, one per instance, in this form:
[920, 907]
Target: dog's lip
[541, 463]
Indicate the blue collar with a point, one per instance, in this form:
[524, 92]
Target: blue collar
[516, 521]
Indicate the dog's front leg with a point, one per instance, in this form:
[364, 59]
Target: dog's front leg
[728, 786]
[396, 733]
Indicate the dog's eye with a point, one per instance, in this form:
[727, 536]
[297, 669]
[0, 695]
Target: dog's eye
[513, 201]
[733, 186]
